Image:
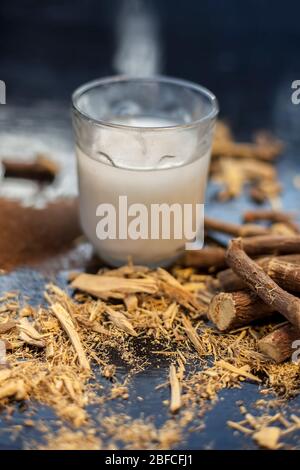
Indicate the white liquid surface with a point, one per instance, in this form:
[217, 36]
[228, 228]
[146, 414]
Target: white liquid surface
[144, 121]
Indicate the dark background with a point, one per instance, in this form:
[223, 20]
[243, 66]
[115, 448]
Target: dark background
[247, 52]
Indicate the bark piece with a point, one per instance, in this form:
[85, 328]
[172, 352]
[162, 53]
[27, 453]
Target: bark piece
[229, 310]
[50, 351]
[277, 345]
[66, 322]
[258, 281]
[31, 236]
[109, 371]
[105, 287]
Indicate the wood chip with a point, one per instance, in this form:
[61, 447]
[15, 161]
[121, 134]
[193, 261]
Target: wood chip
[13, 388]
[120, 321]
[268, 437]
[25, 326]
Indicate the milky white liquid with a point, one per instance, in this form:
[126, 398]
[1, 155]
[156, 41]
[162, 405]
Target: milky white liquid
[101, 183]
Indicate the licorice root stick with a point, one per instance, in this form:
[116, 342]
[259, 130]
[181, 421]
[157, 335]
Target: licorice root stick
[258, 281]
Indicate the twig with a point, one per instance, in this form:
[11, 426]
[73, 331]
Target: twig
[237, 230]
[208, 257]
[229, 281]
[271, 244]
[271, 216]
[192, 335]
[41, 169]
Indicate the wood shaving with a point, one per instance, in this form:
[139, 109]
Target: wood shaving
[67, 324]
[175, 402]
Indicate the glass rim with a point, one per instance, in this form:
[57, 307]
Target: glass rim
[77, 94]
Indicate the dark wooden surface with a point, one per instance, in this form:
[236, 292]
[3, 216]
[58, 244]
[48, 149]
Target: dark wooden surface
[31, 282]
